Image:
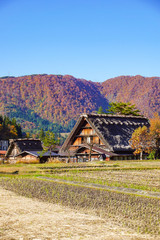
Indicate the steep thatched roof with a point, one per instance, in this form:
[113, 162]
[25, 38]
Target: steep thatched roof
[117, 130]
[113, 130]
[25, 145]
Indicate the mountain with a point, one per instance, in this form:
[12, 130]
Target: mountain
[54, 102]
[46, 100]
[144, 92]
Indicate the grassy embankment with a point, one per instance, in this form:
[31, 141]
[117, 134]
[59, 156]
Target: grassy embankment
[140, 213]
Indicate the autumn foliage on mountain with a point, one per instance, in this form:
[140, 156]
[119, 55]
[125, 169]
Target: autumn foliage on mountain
[144, 92]
[48, 98]
[54, 102]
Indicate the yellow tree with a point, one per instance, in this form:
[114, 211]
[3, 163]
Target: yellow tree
[155, 135]
[139, 141]
[12, 131]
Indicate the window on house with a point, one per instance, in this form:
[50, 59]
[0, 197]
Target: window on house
[90, 139]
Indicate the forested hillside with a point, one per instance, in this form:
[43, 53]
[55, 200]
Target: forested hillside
[48, 101]
[144, 92]
[54, 102]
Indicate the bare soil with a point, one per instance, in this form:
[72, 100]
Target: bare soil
[24, 218]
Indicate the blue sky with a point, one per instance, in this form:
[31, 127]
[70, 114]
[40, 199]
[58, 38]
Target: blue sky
[91, 39]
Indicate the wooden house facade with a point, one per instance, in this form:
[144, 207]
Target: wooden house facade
[101, 136]
[35, 156]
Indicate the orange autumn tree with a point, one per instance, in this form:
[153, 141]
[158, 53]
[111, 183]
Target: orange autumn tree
[9, 128]
[140, 140]
[12, 131]
[155, 135]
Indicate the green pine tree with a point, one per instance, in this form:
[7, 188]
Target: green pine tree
[41, 134]
[49, 142]
[121, 108]
[100, 110]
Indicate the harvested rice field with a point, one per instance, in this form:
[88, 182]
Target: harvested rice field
[24, 218]
[61, 201]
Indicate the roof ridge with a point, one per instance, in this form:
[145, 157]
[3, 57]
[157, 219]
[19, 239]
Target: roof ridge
[23, 139]
[111, 115]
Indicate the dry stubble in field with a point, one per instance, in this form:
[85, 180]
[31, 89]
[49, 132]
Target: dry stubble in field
[147, 179]
[22, 218]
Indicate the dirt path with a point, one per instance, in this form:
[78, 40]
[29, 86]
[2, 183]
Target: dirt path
[23, 218]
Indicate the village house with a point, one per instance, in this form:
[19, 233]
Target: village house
[101, 137]
[3, 149]
[4, 145]
[27, 151]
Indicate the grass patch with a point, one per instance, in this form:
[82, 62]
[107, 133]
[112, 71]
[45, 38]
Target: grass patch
[143, 175]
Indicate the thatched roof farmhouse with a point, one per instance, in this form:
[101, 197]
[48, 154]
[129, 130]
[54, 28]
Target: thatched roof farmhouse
[105, 136]
[27, 150]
